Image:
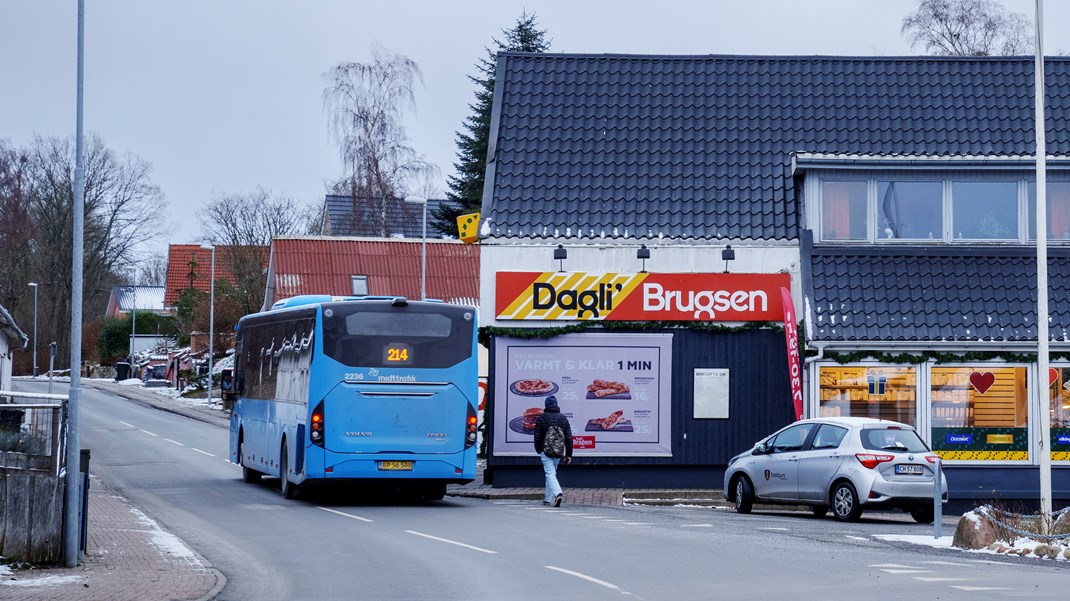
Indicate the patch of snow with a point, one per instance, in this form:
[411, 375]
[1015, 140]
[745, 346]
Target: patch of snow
[944, 542]
[42, 581]
[131, 382]
[972, 516]
[166, 543]
[5, 571]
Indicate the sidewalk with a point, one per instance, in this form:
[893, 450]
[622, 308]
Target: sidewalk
[128, 558]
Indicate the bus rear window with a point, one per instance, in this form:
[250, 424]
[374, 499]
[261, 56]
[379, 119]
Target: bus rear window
[365, 334]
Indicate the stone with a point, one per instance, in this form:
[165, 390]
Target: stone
[1066, 553]
[1041, 550]
[974, 531]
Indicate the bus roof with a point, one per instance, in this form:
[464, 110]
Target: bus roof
[315, 299]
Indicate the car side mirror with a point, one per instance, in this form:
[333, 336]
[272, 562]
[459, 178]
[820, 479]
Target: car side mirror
[761, 449]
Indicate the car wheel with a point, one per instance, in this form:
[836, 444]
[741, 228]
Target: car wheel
[744, 495]
[288, 489]
[248, 475]
[845, 505]
[819, 511]
[923, 515]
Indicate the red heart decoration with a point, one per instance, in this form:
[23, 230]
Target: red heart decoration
[982, 381]
[1053, 375]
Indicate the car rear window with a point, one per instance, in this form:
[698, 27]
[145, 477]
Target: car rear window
[892, 439]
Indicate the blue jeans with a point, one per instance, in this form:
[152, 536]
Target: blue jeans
[549, 467]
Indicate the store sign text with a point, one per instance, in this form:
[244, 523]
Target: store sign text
[639, 297]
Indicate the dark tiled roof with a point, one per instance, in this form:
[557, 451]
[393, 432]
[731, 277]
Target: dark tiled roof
[700, 146]
[347, 216]
[935, 294]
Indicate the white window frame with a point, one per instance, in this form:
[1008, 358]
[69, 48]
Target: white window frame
[354, 280]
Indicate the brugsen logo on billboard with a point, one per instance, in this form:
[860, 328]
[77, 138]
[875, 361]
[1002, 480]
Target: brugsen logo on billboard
[639, 296]
[704, 303]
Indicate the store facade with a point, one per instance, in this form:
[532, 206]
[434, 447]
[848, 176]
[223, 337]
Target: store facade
[896, 194]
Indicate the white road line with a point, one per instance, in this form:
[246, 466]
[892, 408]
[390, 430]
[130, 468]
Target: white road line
[981, 588]
[174, 442]
[935, 578]
[776, 529]
[584, 576]
[593, 517]
[344, 514]
[696, 525]
[638, 523]
[149, 433]
[889, 565]
[211, 455]
[897, 571]
[852, 537]
[615, 520]
[126, 424]
[452, 542]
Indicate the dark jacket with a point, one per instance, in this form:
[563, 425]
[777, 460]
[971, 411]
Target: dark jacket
[552, 417]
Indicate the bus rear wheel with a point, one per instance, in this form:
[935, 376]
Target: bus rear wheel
[288, 489]
[248, 475]
[434, 492]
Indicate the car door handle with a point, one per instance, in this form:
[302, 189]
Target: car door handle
[793, 458]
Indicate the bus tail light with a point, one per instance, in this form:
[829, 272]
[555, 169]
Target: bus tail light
[316, 431]
[470, 427]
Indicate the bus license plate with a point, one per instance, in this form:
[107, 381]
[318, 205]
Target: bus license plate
[397, 465]
[909, 469]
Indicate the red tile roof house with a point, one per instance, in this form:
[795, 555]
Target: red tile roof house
[374, 266]
[189, 265]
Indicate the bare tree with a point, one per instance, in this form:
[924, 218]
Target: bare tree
[122, 210]
[243, 225]
[366, 105]
[152, 271]
[16, 230]
[967, 28]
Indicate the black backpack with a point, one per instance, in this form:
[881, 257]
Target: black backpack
[554, 442]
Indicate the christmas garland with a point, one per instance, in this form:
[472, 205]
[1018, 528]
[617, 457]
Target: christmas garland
[486, 333]
[925, 356]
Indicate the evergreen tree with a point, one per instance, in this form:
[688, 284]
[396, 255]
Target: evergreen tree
[466, 188]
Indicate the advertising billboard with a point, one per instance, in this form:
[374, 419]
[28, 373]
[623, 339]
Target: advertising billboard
[613, 388]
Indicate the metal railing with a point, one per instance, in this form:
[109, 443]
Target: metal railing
[31, 433]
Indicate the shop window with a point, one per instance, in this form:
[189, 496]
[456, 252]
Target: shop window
[844, 211]
[984, 210]
[980, 413]
[884, 392]
[1059, 381]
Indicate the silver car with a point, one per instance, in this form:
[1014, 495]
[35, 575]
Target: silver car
[847, 464]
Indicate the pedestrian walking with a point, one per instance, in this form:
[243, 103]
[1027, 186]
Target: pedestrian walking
[553, 443]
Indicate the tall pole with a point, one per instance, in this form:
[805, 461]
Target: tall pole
[423, 259]
[1043, 383]
[72, 519]
[211, 326]
[34, 285]
[133, 327]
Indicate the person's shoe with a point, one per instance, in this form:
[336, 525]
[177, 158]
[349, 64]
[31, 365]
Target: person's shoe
[545, 502]
[557, 499]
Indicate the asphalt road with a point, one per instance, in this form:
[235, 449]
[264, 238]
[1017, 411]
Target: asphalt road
[346, 544]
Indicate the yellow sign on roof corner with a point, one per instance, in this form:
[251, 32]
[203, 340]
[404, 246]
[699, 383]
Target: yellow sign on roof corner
[468, 227]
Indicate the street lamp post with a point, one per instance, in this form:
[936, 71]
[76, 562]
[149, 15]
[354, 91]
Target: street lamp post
[423, 254]
[211, 319]
[34, 286]
[133, 327]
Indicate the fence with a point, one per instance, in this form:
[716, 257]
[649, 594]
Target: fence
[31, 484]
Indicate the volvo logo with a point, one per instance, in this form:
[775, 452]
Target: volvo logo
[364, 434]
[438, 435]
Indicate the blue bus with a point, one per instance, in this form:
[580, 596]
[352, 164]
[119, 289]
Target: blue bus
[370, 389]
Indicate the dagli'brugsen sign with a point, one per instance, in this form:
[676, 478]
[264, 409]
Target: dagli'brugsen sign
[578, 295]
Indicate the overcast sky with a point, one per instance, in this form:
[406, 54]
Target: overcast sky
[223, 96]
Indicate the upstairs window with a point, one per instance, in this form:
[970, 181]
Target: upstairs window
[360, 284]
[935, 208]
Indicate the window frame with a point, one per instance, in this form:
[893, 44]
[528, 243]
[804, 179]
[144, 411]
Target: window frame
[354, 280]
[947, 178]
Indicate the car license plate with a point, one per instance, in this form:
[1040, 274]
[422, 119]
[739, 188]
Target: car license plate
[909, 469]
[401, 465]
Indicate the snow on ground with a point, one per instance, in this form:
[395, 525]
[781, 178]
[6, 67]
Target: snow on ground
[42, 581]
[944, 542]
[166, 543]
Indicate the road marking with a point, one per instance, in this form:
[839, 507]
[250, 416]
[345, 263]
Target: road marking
[452, 542]
[897, 571]
[149, 433]
[615, 520]
[777, 529]
[638, 523]
[935, 578]
[584, 576]
[211, 455]
[981, 588]
[696, 525]
[174, 442]
[344, 514]
[889, 565]
[949, 563]
[859, 537]
[126, 424]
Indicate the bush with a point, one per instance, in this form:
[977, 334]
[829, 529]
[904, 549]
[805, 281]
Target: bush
[22, 442]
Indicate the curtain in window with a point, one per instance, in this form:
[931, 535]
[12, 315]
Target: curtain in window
[1059, 211]
[836, 213]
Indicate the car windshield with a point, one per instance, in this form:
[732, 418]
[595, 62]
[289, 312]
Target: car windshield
[892, 439]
